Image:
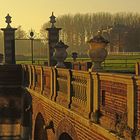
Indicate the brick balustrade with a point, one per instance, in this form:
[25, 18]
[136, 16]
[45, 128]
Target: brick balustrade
[111, 98]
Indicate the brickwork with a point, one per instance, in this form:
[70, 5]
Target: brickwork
[65, 121]
[112, 101]
[84, 66]
[75, 96]
[115, 96]
[76, 66]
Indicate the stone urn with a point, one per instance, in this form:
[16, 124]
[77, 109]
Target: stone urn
[97, 51]
[74, 56]
[60, 54]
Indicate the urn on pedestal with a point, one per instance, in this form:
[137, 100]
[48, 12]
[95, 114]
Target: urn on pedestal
[60, 54]
[97, 51]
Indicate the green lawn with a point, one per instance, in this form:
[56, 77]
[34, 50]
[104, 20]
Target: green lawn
[112, 62]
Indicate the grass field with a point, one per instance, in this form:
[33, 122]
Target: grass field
[124, 63]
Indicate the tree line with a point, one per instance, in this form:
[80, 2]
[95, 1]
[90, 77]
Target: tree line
[121, 29]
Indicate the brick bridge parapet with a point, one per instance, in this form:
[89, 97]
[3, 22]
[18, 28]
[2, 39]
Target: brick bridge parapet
[100, 103]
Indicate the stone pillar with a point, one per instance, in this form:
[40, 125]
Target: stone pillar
[33, 77]
[95, 98]
[95, 92]
[69, 88]
[54, 84]
[89, 95]
[42, 80]
[131, 103]
[9, 42]
[53, 38]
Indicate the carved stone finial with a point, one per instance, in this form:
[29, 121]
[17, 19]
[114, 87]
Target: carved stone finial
[52, 20]
[8, 20]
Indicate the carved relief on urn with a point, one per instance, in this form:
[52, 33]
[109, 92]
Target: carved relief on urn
[97, 51]
[60, 54]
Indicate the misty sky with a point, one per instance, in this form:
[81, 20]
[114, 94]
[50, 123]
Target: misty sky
[33, 13]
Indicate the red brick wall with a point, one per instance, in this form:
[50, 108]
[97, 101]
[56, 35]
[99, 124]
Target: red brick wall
[71, 125]
[85, 65]
[76, 65]
[114, 101]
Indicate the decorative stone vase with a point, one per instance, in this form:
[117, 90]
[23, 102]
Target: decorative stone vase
[60, 54]
[97, 51]
[74, 56]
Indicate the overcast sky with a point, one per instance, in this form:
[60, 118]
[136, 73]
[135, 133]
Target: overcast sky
[33, 13]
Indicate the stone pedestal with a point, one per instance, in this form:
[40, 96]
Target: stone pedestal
[9, 45]
[9, 42]
[53, 38]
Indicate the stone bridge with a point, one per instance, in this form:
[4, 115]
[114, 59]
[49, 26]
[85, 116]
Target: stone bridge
[46, 103]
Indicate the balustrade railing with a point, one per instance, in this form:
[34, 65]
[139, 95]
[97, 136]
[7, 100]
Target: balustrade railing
[47, 81]
[81, 92]
[79, 86]
[62, 80]
[38, 74]
[86, 93]
[63, 86]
